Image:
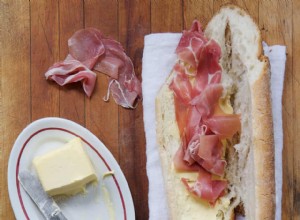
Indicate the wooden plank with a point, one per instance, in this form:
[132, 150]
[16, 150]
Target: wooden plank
[71, 97]
[134, 23]
[102, 117]
[44, 52]
[249, 6]
[204, 10]
[200, 10]
[296, 107]
[276, 28]
[14, 85]
[166, 16]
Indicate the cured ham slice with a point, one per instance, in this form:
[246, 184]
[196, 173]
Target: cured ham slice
[201, 81]
[86, 46]
[181, 85]
[205, 151]
[121, 95]
[209, 58]
[129, 79]
[191, 151]
[124, 85]
[216, 78]
[205, 187]
[89, 49]
[70, 71]
[109, 66]
[181, 116]
[208, 146]
[206, 101]
[225, 126]
[127, 89]
[201, 122]
[113, 59]
[190, 45]
[192, 125]
[218, 168]
[181, 165]
[211, 152]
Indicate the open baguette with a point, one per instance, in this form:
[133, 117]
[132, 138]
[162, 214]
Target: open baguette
[250, 168]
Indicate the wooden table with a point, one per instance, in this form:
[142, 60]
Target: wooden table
[34, 35]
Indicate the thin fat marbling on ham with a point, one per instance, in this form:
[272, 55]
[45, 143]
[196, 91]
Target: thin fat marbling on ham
[190, 46]
[181, 85]
[127, 89]
[90, 50]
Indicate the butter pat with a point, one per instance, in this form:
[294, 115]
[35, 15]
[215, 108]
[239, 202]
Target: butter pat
[225, 105]
[66, 170]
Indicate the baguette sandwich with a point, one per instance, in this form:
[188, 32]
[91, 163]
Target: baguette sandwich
[214, 123]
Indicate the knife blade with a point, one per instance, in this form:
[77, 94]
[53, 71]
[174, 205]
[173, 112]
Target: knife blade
[45, 203]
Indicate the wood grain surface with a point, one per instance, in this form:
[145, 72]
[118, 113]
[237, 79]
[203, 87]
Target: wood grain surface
[34, 35]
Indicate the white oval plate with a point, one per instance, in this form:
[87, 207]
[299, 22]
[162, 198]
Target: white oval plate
[47, 134]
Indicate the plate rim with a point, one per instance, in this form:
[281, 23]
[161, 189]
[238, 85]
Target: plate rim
[40, 125]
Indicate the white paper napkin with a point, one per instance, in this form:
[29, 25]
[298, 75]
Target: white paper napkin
[277, 57]
[158, 59]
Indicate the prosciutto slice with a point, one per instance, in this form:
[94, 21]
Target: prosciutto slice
[192, 125]
[90, 50]
[225, 126]
[181, 116]
[113, 59]
[190, 46]
[127, 89]
[211, 152]
[216, 78]
[181, 85]
[70, 71]
[205, 187]
[86, 46]
[206, 101]
[191, 151]
[209, 58]
[124, 85]
[205, 151]
[197, 91]
[181, 165]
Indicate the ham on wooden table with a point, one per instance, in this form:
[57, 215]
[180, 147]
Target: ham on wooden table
[197, 90]
[71, 70]
[89, 50]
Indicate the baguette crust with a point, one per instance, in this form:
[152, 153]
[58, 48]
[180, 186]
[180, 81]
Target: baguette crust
[263, 139]
[262, 143]
[262, 132]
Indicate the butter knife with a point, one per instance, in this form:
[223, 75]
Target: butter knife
[45, 203]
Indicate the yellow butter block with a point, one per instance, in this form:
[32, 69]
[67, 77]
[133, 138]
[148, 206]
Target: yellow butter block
[66, 170]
